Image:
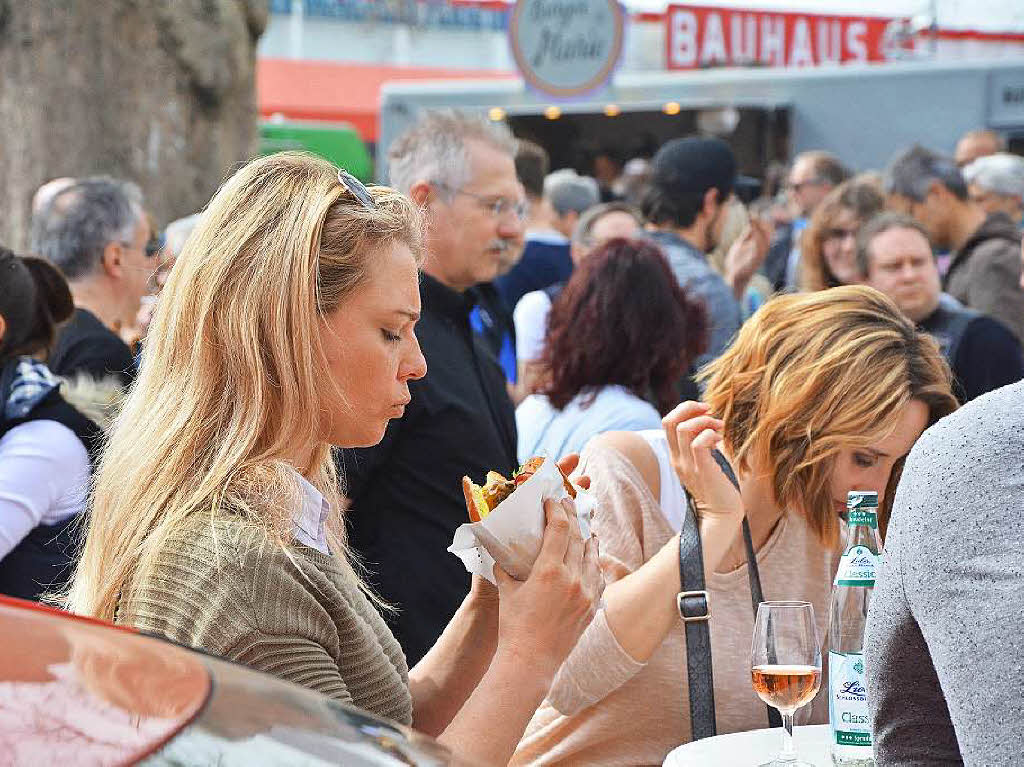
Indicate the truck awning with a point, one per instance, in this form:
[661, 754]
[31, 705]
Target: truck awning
[322, 90]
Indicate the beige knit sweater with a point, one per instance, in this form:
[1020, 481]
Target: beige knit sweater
[224, 587]
[607, 709]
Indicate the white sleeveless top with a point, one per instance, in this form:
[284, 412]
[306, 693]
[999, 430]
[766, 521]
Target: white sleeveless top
[673, 498]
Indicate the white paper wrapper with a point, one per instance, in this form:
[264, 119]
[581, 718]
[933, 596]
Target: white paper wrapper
[511, 535]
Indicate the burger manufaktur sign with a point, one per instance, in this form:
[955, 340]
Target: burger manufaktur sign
[566, 48]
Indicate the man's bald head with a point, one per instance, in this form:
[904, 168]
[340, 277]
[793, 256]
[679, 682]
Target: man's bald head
[48, 191]
[978, 143]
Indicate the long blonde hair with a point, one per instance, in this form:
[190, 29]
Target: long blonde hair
[232, 377]
[812, 373]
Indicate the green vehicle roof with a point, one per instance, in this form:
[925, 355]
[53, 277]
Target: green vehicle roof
[338, 142]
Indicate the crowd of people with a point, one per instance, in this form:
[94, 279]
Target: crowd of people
[245, 431]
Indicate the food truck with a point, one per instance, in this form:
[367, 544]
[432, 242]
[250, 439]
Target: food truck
[863, 113]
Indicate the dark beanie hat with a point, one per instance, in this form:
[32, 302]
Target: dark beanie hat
[690, 166]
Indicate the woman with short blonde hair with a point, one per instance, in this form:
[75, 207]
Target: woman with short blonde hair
[813, 376]
[820, 394]
[286, 327]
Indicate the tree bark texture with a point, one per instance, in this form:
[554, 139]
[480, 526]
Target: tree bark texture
[160, 92]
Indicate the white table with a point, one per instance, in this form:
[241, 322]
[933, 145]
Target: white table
[752, 748]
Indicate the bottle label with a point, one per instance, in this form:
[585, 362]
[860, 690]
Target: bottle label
[857, 567]
[864, 517]
[849, 720]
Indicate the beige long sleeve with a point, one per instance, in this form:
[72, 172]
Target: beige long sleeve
[621, 712]
[295, 613]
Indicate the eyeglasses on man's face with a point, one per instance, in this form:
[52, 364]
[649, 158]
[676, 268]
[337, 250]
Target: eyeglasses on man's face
[498, 206]
[152, 247]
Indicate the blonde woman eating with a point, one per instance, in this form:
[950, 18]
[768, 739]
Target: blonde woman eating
[286, 327]
[820, 393]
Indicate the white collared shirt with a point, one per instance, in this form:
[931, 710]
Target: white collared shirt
[547, 237]
[311, 517]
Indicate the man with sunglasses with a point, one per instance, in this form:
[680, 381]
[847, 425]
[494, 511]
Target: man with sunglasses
[406, 493]
[811, 177]
[97, 233]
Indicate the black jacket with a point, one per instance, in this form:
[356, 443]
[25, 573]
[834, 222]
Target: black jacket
[982, 354]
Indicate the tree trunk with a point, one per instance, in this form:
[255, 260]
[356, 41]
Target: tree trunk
[160, 92]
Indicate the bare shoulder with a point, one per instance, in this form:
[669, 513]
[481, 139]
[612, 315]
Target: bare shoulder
[634, 449]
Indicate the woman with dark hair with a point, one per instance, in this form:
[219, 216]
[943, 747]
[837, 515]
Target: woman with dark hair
[45, 444]
[828, 255]
[621, 334]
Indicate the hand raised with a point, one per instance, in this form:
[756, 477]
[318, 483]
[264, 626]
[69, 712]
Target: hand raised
[693, 434]
[747, 254]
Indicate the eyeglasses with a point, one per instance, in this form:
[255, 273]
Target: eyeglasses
[152, 247]
[498, 206]
[838, 233]
[356, 188]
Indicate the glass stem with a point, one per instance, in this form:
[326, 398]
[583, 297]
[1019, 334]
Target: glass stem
[788, 752]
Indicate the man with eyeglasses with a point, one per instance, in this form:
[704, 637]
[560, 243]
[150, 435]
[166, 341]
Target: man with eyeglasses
[406, 493]
[97, 233]
[811, 177]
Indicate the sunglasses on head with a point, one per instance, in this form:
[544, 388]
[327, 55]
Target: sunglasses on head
[356, 188]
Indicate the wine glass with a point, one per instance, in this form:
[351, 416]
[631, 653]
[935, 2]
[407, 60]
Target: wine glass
[785, 665]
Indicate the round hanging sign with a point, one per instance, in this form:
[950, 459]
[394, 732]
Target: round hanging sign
[566, 48]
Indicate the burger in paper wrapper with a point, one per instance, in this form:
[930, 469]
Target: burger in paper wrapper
[508, 518]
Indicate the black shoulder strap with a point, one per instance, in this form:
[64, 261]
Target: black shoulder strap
[694, 609]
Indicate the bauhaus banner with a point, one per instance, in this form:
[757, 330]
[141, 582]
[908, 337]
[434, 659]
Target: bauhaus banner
[700, 36]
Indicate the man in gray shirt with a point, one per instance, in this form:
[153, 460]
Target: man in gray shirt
[945, 634]
[692, 180]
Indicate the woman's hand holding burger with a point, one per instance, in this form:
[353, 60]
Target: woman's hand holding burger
[483, 591]
[498, 657]
[540, 619]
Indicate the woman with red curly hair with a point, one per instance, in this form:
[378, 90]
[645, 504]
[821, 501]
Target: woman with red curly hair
[620, 336]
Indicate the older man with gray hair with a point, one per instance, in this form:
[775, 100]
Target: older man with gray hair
[984, 271]
[995, 183]
[546, 258]
[97, 233]
[406, 493]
